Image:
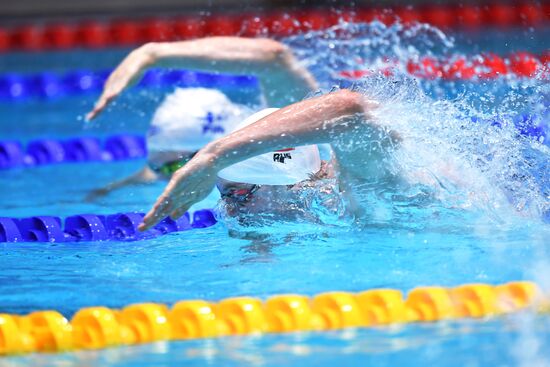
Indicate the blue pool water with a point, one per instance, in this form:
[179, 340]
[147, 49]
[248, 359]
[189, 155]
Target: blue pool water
[414, 246]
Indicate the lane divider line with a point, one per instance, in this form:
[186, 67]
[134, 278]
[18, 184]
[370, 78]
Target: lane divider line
[48, 85]
[101, 327]
[14, 154]
[92, 227]
[94, 34]
[489, 66]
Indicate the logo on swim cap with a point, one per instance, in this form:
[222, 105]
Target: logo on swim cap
[209, 123]
[280, 157]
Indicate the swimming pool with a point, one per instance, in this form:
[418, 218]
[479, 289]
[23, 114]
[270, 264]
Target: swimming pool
[208, 264]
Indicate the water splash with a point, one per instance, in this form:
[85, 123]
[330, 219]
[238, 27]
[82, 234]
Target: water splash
[314, 205]
[493, 132]
[483, 160]
[365, 45]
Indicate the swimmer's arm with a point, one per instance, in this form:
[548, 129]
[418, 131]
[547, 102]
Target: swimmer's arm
[143, 176]
[341, 116]
[314, 121]
[282, 78]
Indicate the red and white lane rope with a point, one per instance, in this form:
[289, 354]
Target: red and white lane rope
[480, 67]
[127, 32]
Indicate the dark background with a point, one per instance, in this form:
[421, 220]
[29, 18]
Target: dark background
[16, 10]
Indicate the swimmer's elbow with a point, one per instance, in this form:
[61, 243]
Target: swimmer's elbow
[275, 51]
[350, 102]
[272, 46]
[150, 52]
[357, 104]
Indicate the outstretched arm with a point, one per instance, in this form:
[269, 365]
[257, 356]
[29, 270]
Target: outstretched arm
[282, 78]
[338, 117]
[143, 176]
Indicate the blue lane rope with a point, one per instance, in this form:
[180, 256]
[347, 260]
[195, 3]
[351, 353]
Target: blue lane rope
[48, 85]
[91, 227]
[14, 154]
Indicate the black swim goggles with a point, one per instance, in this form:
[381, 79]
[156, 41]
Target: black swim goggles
[242, 193]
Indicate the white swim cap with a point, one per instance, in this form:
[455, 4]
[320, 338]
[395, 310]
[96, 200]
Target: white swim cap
[283, 167]
[190, 118]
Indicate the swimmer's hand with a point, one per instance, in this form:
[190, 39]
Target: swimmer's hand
[189, 185]
[97, 194]
[127, 73]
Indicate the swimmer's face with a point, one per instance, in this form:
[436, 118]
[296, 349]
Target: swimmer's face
[165, 163]
[241, 198]
[250, 202]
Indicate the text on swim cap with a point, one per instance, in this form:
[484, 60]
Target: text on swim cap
[280, 157]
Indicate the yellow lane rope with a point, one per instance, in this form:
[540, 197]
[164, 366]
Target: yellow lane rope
[101, 327]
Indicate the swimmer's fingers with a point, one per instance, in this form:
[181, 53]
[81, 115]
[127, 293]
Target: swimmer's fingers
[100, 105]
[161, 209]
[119, 80]
[113, 88]
[179, 212]
[96, 194]
[129, 71]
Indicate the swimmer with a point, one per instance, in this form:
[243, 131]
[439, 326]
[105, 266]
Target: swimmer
[337, 118]
[175, 133]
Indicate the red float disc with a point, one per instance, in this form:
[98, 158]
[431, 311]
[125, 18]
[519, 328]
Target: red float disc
[501, 15]
[439, 16]
[314, 20]
[125, 33]
[431, 67]
[220, 25]
[93, 34]
[30, 38]
[283, 24]
[459, 68]
[428, 67]
[253, 25]
[387, 71]
[4, 40]
[412, 67]
[490, 66]
[524, 64]
[531, 14]
[347, 15]
[61, 36]
[354, 74]
[158, 30]
[189, 28]
[387, 16]
[469, 16]
[545, 60]
[367, 15]
[546, 11]
[407, 14]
